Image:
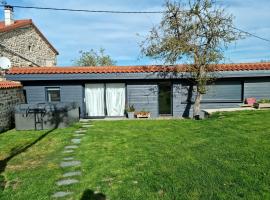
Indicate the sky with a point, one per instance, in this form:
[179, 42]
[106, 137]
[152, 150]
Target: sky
[120, 35]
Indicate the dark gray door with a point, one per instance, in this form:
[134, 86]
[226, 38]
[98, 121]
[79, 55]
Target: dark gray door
[165, 101]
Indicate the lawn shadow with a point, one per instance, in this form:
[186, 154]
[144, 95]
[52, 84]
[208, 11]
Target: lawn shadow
[56, 119]
[90, 195]
[189, 101]
[16, 151]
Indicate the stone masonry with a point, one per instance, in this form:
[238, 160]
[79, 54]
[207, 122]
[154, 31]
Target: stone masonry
[9, 97]
[25, 47]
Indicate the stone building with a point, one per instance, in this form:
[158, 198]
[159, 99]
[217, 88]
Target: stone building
[23, 43]
[11, 94]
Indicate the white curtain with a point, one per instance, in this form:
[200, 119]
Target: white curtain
[115, 99]
[94, 99]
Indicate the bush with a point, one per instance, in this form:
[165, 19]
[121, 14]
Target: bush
[264, 101]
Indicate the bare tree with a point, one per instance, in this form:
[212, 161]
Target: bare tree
[196, 32]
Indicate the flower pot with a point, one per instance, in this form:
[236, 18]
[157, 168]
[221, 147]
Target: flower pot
[250, 101]
[130, 115]
[143, 115]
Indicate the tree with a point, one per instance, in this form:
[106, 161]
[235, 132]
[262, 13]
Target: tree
[196, 32]
[265, 61]
[93, 58]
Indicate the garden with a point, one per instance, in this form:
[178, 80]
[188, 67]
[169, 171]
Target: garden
[224, 157]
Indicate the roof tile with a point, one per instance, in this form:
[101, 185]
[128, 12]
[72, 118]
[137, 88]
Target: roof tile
[22, 23]
[9, 84]
[132, 69]
[17, 24]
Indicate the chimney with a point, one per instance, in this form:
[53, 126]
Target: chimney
[8, 10]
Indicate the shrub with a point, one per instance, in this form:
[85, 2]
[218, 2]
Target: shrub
[131, 109]
[264, 101]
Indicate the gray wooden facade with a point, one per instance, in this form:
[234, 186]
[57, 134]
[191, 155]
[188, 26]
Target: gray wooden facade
[142, 89]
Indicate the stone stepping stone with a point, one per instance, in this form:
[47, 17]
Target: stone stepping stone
[68, 151]
[76, 141]
[70, 163]
[87, 125]
[61, 194]
[80, 131]
[66, 182]
[68, 158]
[86, 122]
[75, 173]
[71, 147]
[79, 135]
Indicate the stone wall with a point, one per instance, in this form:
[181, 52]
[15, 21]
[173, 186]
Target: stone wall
[8, 99]
[25, 47]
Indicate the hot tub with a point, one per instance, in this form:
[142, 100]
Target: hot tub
[45, 115]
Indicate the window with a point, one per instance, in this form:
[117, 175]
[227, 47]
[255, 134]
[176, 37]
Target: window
[24, 96]
[30, 47]
[53, 94]
[105, 99]
[219, 92]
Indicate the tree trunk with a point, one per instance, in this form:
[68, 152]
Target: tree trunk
[197, 106]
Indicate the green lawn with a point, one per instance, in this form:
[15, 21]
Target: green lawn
[224, 157]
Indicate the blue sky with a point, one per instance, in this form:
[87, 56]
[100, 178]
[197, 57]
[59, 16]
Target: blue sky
[71, 32]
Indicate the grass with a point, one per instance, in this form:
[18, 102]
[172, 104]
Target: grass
[224, 157]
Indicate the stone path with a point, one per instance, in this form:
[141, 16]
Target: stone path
[80, 131]
[87, 125]
[61, 194]
[68, 151]
[68, 158]
[76, 141]
[71, 147]
[70, 174]
[79, 135]
[66, 182]
[68, 162]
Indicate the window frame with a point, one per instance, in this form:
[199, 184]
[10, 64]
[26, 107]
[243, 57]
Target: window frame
[47, 89]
